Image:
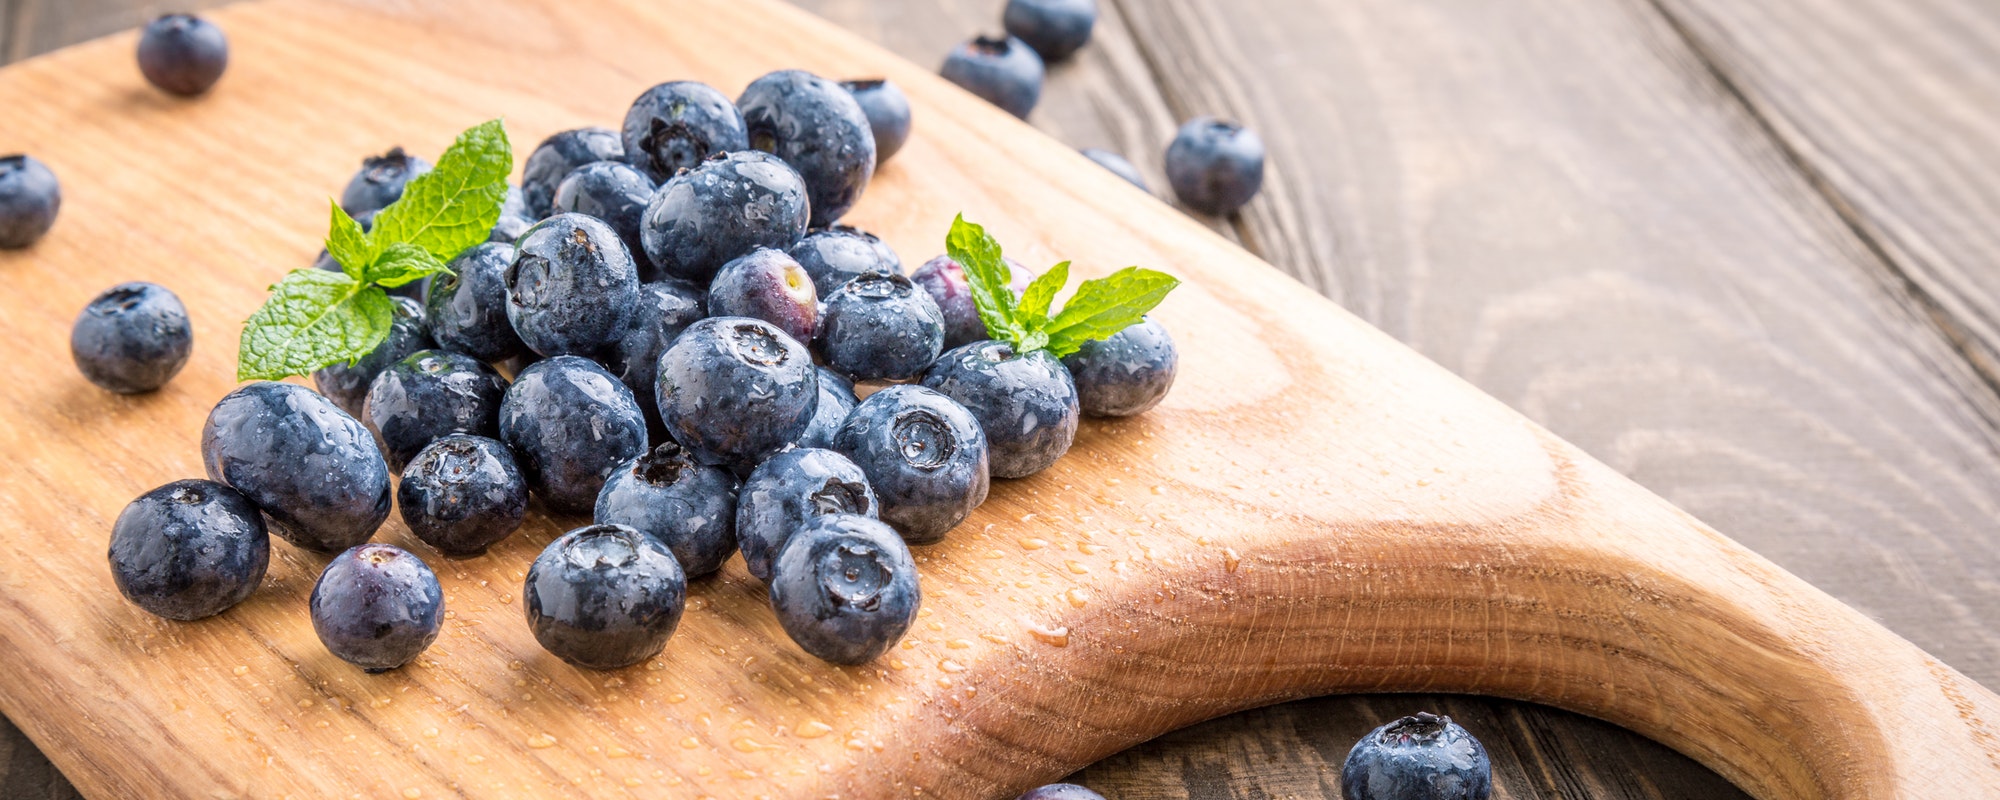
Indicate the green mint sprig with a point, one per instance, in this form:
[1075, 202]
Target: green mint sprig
[1101, 307]
[315, 317]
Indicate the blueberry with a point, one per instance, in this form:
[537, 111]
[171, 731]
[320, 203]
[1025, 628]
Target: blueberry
[467, 308]
[189, 549]
[881, 327]
[29, 200]
[1125, 374]
[463, 494]
[665, 309]
[836, 401]
[1025, 402]
[817, 127]
[571, 423]
[944, 280]
[559, 155]
[377, 607]
[615, 193]
[1005, 72]
[1425, 757]
[734, 390]
[888, 112]
[604, 597]
[688, 507]
[845, 588]
[676, 126]
[789, 490]
[429, 395]
[721, 209]
[924, 455]
[833, 256]
[1055, 28]
[1120, 167]
[381, 181]
[767, 284]
[183, 54]
[132, 338]
[312, 468]
[347, 384]
[1060, 791]
[1214, 166]
[572, 287]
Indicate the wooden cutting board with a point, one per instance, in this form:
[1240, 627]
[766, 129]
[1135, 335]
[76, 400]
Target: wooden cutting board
[1315, 508]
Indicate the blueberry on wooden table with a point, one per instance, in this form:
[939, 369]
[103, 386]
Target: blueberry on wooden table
[377, 606]
[925, 456]
[733, 390]
[570, 423]
[1025, 402]
[1215, 166]
[696, 222]
[189, 549]
[1003, 71]
[429, 395]
[1424, 757]
[347, 384]
[1060, 791]
[1119, 166]
[29, 200]
[1055, 28]
[845, 588]
[463, 494]
[1125, 374]
[572, 287]
[836, 401]
[467, 307]
[834, 255]
[888, 112]
[559, 155]
[816, 126]
[666, 308]
[312, 468]
[677, 125]
[880, 326]
[604, 597]
[789, 490]
[769, 285]
[689, 507]
[380, 181]
[944, 280]
[616, 194]
[132, 338]
[514, 219]
[183, 54]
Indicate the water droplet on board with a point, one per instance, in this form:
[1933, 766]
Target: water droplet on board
[541, 741]
[1054, 636]
[813, 729]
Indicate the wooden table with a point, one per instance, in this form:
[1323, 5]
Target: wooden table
[1741, 252]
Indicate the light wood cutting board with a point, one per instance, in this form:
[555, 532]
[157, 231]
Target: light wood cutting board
[1315, 508]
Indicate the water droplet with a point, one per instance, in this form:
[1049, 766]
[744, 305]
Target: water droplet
[1230, 560]
[1034, 544]
[541, 741]
[690, 743]
[1054, 636]
[949, 665]
[1077, 597]
[1077, 568]
[959, 644]
[813, 729]
[746, 744]
[475, 759]
[241, 671]
[413, 793]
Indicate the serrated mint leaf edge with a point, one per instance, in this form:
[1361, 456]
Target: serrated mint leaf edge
[1104, 306]
[986, 277]
[258, 360]
[432, 211]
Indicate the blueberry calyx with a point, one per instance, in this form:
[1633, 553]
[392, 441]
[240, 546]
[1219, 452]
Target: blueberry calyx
[853, 574]
[840, 497]
[1424, 727]
[755, 344]
[924, 440]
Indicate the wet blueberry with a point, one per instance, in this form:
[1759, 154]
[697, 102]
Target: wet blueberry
[1060, 791]
[615, 193]
[690, 508]
[313, 469]
[766, 284]
[1005, 72]
[888, 112]
[880, 326]
[189, 549]
[377, 607]
[1055, 28]
[1214, 166]
[183, 54]
[381, 181]
[429, 395]
[572, 287]
[924, 455]
[1118, 166]
[817, 127]
[789, 490]
[734, 390]
[463, 494]
[559, 155]
[570, 423]
[1125, 374]
[676, 126]
[604, 597]
[1425, 757]
[467, 308]
[833, 256]
[1026, 403]
[836, 401]
[347, 384]
[132, 338]
[722, 208]
[845, 588]
[944, 280]
[29, 200]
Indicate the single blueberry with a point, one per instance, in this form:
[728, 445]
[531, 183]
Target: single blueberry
[817, 127]
[559, 155]
[1425, 757]
[377, 606]
[676, 126]
[183, 54]
[604, 597]
[572, 287]
[845, 588]
[834, 255]
[347, 384]
[787, 491]
[132, 338]
[615, 193]
[1214, 166]
[924, 455]
[463, 494]
[570, 423]
[1025, 402]
[722, 208]
[836, 401]
[189, 549]
[1004, 71]
[1125, 374]
[1055, 28]
[766, 284]
[467, 307]
[734, 390]
[1118, 166]
[665, 309]
[688, 507]
[29, 200]
[381, 181]
[888, 112]
[1060, 791]
[313, 469]
[880, 326]
[429, 395]
[944, 280]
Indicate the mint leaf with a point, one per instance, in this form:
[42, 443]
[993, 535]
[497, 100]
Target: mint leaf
[1107, 305]
[453, 206]
[987, 276]
[313, 318]
[348, 243]
[402, 263]
[1034, 312]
